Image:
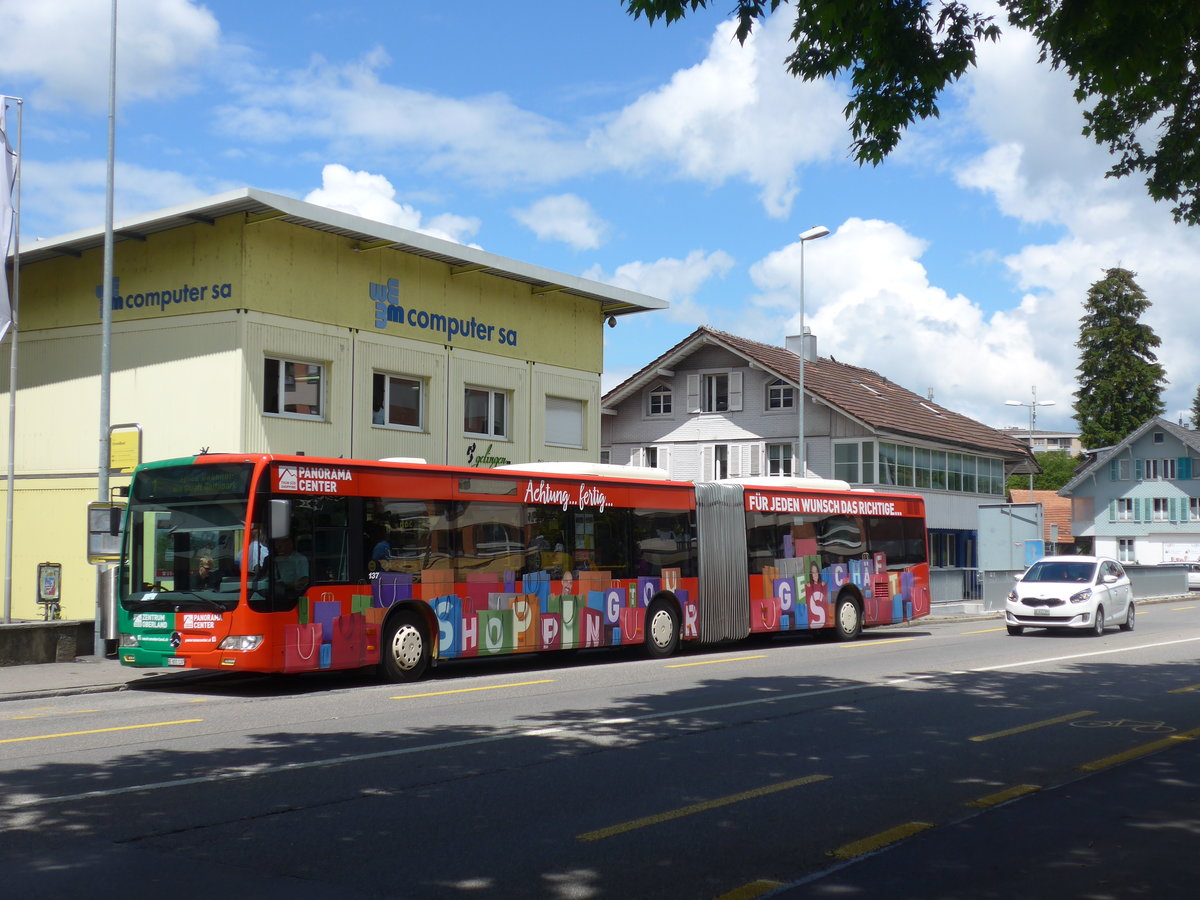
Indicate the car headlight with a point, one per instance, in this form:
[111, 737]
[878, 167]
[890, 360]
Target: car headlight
[241, 642]
[1083, 596]
[1012, 597]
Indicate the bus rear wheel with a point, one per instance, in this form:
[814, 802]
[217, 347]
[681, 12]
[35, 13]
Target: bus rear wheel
[404, 650]
[662, 630]
[847, 620]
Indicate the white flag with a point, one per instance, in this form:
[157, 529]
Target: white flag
[8, 177]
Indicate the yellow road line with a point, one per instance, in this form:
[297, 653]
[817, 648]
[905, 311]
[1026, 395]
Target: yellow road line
[984, 631]
[1181, 608]
[42, 715]
[1005, 795]
[1032, 726]
[716, 803]
[1185, 690]
[877, 643]
[875, 842]
[489, 687]
[46, 737]
[1136, 752]
[714, 662]
[752, 890]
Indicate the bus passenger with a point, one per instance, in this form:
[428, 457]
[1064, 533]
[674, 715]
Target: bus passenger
[291, 569]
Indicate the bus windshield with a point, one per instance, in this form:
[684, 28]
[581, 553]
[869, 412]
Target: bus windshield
[184, 535]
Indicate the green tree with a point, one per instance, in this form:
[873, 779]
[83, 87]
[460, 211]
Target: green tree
[1057, 467]
[1133, 65]
[1195, 415]
[1120, 379]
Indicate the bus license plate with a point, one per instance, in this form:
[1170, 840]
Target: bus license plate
[176, 661]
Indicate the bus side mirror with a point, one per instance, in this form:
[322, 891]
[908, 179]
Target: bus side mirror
[280, 519]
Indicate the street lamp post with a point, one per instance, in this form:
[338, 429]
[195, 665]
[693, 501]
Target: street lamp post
[817, 231]
[1033, 408]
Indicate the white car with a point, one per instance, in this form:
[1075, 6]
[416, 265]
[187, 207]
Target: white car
[1084, 592]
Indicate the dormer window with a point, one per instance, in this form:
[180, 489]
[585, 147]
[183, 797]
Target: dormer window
[780, 395]
[658, 401]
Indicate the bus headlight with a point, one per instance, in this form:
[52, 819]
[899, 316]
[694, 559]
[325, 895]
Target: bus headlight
[241, 642]
[127, 640]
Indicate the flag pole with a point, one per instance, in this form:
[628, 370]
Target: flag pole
[12, 361]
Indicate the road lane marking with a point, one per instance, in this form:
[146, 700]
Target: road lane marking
[65, 734]
[878, 841]
[979, 738]
[713, 662]
[984, 631]
[1181, 608]
[471, 690]
[716, 803]
[1185, 690]
[1134, 753]
[43, 715]
[1069, 657]
[870, 643]
[752, 890]
[1012, 793]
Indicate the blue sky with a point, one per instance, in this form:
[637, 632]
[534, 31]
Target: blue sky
[669, 160]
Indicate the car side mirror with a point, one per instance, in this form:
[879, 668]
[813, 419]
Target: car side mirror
[1109, 579]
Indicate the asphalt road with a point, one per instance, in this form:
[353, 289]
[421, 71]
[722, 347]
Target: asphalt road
[941, 759]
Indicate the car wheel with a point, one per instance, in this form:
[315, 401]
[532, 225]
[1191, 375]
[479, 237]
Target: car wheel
[1127, 625]
[662, 630]
[847, 620]
[404, 651]
[1016, 630]
[1098, 623]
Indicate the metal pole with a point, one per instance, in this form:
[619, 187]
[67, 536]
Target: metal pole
[801, 464]
[12, 367]
[106, 314]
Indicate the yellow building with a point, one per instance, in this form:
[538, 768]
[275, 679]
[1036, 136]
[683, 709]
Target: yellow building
[258, 323]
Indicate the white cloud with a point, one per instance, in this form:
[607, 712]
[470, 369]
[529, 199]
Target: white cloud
[736, 114]
[373, 197]
[64, 46]
[674, 280]
[869, 302]
[564, 217]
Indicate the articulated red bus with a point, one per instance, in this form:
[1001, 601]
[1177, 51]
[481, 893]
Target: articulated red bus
[291, 563]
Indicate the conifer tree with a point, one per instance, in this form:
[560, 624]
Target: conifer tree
[1195, 415]
[1120, 378]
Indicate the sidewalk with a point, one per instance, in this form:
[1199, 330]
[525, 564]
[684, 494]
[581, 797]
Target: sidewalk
[85, 675]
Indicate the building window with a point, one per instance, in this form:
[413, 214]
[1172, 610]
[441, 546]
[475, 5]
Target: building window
[780, 395]
[716, 393]
[397, 401]
[779, 459]
[1158, 437]
[606, 457]
[1125, 550]
[485, 413]
[293, 388]
[650, 457]
[721, 461]
[564, 422]
[845, 462]
[1162, 509]
[1119, 469]
[659, 401]
[1193, 509]
[1160, 470]
[1124, 510]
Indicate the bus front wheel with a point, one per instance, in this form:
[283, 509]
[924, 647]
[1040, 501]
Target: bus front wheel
[662, 630]
[847, 620]
[404, 651]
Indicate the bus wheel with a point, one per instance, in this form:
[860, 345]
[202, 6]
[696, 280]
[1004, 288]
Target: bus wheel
[404, 652]
[662, 630]
[847, 620]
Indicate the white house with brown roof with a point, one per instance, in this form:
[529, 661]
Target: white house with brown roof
[716, 405]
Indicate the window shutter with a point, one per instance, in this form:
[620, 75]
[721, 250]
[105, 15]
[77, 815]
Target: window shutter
[1114, 470]
[1112, 510]
[1173, 509]
[706, 464]
[756, 456]
[664, 459]
[693, 393]
[735, 391]
[1183, 468]
[636, 456]
[1139, 470]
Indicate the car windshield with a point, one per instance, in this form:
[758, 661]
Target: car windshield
[1061, 572]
